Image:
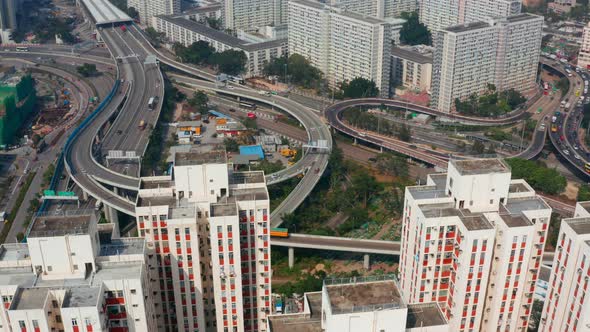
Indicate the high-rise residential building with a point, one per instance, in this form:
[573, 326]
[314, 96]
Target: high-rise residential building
[376, 8]
[150, 8]
[8, 21]
[361, 304]
[342, 44]
[66, 279]
[249, 15]
[209, 229]
[411, 66]
[567, 307]
[584, 53]
[468, 57]
[439, 14]
[472, 240]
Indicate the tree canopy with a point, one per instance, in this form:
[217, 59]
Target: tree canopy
[231, 62]
[87, 69]
[298, 69]
[413, 32]
[359, 88]
[491, 103]
[538, 175]
[199, 101]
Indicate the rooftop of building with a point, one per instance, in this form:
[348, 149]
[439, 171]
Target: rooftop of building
[314, 299]
[151, 183]
[213, 156]
[249, 194]
[193, 123]
[480, 166]
[427, 192]
[467, 27]
[52, 225]
[117, 271]
[518, 188]
[29, 298]
[424, 315]
[516, 220]
[221, 36]
[224, 210]
[585, 205]
[521, 204]
[22, 276]
[472, 221]
[294, 323]
[183, 209]
[309, 3]
[439, 179]
[246, 177]
[156, 201]
[522, 17]
[81, 297]
[579, 225]
[363, 296]
[411, 55]
[203, 9]
[14, 252]
[123, 246]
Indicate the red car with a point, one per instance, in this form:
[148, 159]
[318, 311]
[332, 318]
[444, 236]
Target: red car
[251, 115]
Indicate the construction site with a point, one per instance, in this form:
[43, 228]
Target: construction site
[17, 102]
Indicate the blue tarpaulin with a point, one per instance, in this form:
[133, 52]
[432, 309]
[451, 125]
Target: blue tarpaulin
[252, 149]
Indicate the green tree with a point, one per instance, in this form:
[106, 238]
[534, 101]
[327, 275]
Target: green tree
[214, 23]
[579, 12]
[392, 165]
[363, 186]
[359, 88]
[231, 62]
[300, 71]
[413, 32]
[563, 85]
[133, 13]
[199, 101]
[404, 133]
[87, 69]
[553, 232]
[477, 147]
[538, 175]
[250, 123]
[583, 193]
[231, 145]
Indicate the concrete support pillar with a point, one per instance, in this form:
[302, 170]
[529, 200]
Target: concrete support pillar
[291, 257]
[381, 149]
[113, 217]
[366, 262]
[354, 141]
[84, 195]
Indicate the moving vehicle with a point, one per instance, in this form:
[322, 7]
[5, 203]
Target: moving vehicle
[553, 119]
[288, 152]
[587, 167]
[152, 102]
[142, 124]
[251, 115]
[279, 232]
[553, 128]
[250, 106]
[236, 79]
[22, 49]
[123, 28]
[567, 106]
[279, 306]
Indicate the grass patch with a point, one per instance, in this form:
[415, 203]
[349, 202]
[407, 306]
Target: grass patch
[19, 201]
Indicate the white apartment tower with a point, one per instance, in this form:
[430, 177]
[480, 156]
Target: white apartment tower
[584, 53]
[343, 45]
[8, 22]
[209, 228]
[150, 8]
[65, 279]
[472, 240]
[567, 307]
[249, 15]
[376, 8]
[502, 51]
[439, 14]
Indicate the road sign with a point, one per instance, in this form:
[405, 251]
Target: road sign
[48, 192]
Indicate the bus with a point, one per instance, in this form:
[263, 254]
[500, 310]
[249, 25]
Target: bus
[587, 167]
[151, 102]
[236, 79]
[250, 106]
[22, 49]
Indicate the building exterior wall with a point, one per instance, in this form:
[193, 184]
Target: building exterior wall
[503, 52]
[584, 53]
[150, 8]
[567, 307]
[342, 45]
[251, 14]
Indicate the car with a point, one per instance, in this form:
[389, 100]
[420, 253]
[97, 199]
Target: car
[230, 87]
[232, 110]
[372, 159]
[577, 156]
[542, 127]
[576, 147]
[562, 138]
[566, 152]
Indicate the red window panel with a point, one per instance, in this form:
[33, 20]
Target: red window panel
[74, 328]
[155, 224]
[178, 251]
[141, 225]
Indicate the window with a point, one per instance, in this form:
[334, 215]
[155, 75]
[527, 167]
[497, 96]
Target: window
[87, 321]
[21, 324]
[133, 291]
[74, 322]
[75, 267]
[49, 268]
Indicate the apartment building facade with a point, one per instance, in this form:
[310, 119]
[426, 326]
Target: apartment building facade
[440, 14]
[468, 57]
[376, 8]
[185, 31]
[66, 279]
[472, 241]
[412, 67]
[566, 306]
[8, 23]
[249, 15]
[150, 8]
[209, 228]
[584, 53]
[342, 44]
